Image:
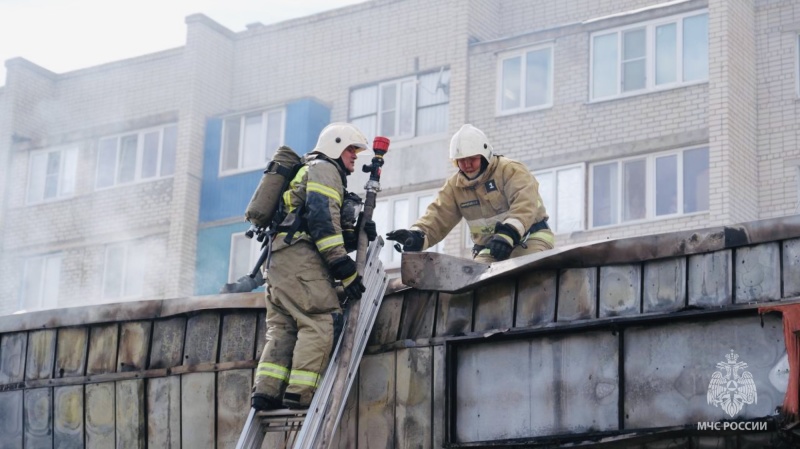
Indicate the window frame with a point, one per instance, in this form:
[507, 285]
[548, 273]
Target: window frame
[650, 27]
[651, 192]
[140, 149]
[60, 194]
[552, 209]
[44, 300]
[523, 55]
[255, 252]
[377, 115]
[263, 134]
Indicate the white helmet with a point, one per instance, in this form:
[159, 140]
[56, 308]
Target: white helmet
[336, 137]
[469, 141]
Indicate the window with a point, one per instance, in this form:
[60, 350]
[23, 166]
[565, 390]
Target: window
[123, 275]
[250, 140]
[136, 157]
[52, 174]
[244, 254]
[40, 280]
[562, 190]
[655, 55]
[403, 108]
[400, 212]
[525, 81]
[648, 187]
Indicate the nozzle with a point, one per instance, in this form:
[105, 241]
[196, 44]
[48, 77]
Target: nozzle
[380, 145]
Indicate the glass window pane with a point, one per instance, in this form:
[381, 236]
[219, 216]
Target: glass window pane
[633, 60]
[32, 283]
[408, 92]
[230, 144]
[134, 275]
[695, 180]
[68, 172]
[604, 66]
[433, 88]
[547, 190]
[510, 94]
[150, 154]
[634, 190]
[106, 162]
[37, 176]
[537, 77]
[633, 75]
[274, 128]
[605, 195]
[126, 172]
[114, 266]
[366, 125]
[695, 48]
[240, 257]
[422, 204]
[667, 185]
[168, 150]
[400, 220]
[51, 178]
[666, 54]
[364, 101]
[252, 151]
[51, 281]
[569, 200]
[633, 44]
[432, 120]
[388, 109]
[380, 215]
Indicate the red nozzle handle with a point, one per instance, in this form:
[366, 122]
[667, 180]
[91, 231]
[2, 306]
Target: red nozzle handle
[380, 144]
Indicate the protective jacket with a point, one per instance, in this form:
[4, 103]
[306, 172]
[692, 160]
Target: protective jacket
[505, 192]
[312, 205]
[303, 311]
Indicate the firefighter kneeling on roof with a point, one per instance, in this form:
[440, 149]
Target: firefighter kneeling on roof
[498, 197]
[309, 252]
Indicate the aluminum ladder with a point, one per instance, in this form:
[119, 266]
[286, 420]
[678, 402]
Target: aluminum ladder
[316, 427]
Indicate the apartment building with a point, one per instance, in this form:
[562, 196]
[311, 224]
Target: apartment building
[129, 180]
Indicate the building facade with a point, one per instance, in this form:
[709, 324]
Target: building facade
[129, 180]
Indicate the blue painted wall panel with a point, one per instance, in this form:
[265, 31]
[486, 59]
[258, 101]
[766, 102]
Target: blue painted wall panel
[227, 196]
[310, 117]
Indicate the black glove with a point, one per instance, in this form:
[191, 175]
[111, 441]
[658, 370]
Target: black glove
[369, 227]
[345, 269]
[503, 242]
[350, 238]
[371, 230]
[411, 240]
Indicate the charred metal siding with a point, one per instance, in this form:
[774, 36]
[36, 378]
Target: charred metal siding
[556, 348]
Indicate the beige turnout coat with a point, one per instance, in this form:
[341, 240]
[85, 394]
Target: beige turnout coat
[505, 192]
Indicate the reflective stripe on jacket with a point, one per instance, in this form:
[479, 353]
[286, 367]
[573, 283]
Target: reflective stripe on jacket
[316, 194]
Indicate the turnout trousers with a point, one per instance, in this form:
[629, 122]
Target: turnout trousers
[303, 320]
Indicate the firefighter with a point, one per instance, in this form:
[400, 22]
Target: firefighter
[498, 197]
[308, 253]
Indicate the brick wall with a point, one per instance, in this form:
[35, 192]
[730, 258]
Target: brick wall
[777, 25]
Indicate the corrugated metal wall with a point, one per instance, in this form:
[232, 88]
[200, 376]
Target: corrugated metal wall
[543, 354]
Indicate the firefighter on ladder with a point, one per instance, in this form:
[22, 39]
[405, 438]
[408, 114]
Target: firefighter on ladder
[309, 252]
[498, 197]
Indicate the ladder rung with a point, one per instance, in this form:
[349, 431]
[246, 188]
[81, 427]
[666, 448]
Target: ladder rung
[281, 420]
